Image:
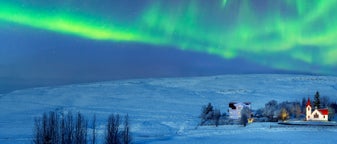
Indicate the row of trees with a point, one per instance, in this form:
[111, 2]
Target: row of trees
[60, 128]
[274, 111]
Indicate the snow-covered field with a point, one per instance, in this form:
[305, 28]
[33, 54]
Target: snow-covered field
[167, 110]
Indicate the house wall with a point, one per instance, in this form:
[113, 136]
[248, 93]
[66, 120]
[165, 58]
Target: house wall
[236, 113]
[315, 115]
[308, 113]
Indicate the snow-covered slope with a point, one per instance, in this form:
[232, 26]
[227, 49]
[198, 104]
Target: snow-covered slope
[167, 110]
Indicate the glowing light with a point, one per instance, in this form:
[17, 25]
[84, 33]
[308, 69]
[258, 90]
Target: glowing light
[224, 2]
[292, 35]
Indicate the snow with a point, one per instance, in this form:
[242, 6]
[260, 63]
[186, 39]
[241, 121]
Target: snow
[310, 123]
[166, 110]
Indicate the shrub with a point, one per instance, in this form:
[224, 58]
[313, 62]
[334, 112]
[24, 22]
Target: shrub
[209, 115]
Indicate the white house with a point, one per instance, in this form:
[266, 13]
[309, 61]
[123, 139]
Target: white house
[317, 114]
[235, 108]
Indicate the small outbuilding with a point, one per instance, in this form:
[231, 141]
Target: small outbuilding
[235, 108]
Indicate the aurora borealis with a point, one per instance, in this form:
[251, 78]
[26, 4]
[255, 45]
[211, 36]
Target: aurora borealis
[290, 35]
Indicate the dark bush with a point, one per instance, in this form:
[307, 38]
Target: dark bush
[210, 116]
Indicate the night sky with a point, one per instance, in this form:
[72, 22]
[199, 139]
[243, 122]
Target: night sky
[48, 42]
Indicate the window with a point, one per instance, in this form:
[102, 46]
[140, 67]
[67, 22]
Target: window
[316, 115]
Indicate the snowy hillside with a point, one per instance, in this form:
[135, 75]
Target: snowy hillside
[167, 110]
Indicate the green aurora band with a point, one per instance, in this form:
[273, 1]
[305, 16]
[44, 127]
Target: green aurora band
[296, 35]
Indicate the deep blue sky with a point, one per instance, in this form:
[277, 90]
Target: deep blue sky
[32, 57]
[48, 42]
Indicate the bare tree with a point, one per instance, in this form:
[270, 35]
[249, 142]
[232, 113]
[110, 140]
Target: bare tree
[38, 131]
[126, 132]
[331, 114]
[114, 134]
[69, 129]
[111, 136]
[325, 101]
[62, 129]
[303, 104]
[298, 111]
[270, 109]
[216, 116]
[81, 129]
[94, 130]
[46, 130]
[54, 127]
[245, 114]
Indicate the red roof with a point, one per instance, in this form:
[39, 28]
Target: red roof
[324, 111]
[308, 103]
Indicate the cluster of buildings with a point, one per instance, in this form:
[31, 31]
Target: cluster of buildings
[234, 110]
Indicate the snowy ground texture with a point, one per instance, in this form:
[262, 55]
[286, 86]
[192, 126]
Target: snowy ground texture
[167, 110]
